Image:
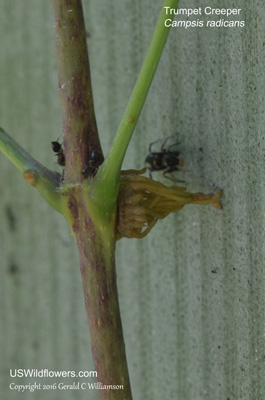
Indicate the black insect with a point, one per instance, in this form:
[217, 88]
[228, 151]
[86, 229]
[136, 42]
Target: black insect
[166, 159]
[58, 150]
[95, 160]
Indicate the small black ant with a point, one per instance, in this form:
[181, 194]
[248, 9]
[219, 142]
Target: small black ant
[95, 160]
[58, 150]
[166, 160]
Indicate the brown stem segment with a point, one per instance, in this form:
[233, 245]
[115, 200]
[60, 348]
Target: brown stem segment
[93, 229]
[79, 122]
[96, 243]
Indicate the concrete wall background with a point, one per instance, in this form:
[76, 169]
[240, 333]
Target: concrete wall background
[192, 292]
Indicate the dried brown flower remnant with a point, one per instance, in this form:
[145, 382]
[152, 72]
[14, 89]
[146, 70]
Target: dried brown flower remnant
[142, 201]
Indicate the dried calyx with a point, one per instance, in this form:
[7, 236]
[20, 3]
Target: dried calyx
[142, 201]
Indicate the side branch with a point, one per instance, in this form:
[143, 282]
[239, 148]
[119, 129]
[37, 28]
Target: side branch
[44, 180]
[110, 170]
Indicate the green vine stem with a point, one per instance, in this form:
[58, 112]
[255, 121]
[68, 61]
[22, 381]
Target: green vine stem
[109, 173]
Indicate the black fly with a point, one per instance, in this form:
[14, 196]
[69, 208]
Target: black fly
[58, 150]
[166, 159]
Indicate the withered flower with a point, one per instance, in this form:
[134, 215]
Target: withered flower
[142, 201]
